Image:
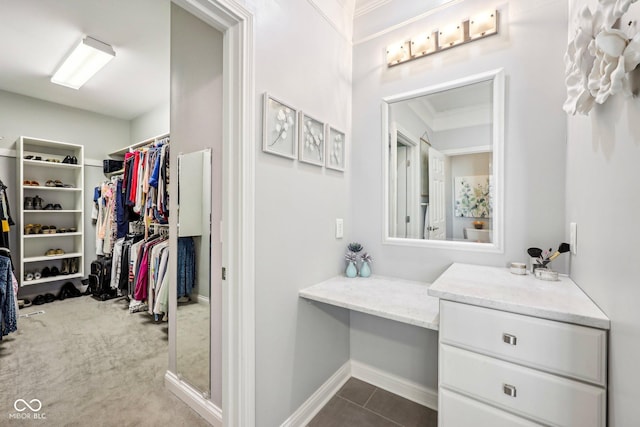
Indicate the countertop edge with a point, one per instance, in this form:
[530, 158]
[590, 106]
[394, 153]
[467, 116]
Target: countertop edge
[542, 313]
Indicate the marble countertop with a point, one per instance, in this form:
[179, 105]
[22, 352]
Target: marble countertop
[498, 288]
[396, 299]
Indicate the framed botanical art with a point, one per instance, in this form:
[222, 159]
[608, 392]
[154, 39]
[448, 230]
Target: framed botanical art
[472, 196]
[280, 123]
[335, 151]
[311, 140]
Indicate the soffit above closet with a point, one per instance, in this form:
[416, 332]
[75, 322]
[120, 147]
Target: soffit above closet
[37, 34]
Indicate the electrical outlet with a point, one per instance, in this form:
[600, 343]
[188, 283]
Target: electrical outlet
[573, 238]
[339, 228]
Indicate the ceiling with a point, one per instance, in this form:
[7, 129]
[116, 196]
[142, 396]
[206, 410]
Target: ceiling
[37, 34]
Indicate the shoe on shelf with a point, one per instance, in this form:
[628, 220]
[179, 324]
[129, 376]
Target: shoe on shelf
[29, 157]
[50, 252]
[37, 203]
[65, 266]
[55, 271]
[62, 230]
[59, 252]
[36, 229]
[28, 276]
[49, 207]
[37, 275]
[57, 207]
[46, 272]
[28, 229]
[74, 265]
[58, 183]
[50, 183]
[28, 203]
[74, 160]
[52, 229]
[67, 160]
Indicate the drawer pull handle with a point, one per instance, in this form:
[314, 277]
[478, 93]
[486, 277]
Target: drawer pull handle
[509, 339]
[509, 390]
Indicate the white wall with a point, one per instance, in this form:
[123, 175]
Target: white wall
[301, 58]
[150, 124]
[602, 198]
[196, 124]
[530, 48]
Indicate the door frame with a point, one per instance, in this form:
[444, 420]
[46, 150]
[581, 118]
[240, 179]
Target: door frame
[238, 229]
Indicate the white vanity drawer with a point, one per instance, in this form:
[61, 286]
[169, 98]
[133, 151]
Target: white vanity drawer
[569, 350]
[543, 397]
[460, 411]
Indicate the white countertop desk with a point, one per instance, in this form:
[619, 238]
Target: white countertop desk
[390, 298]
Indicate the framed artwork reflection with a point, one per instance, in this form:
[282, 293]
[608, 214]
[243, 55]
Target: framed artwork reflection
[335, 150]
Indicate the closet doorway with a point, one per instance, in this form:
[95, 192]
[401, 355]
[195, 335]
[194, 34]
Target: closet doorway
[235, 359]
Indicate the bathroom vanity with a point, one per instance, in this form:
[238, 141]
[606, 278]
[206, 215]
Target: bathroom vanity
[517, 351]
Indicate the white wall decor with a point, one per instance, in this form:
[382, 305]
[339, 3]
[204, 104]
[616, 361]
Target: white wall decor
[311, 140]
[599, 57]
[335, 152]
[279, 128]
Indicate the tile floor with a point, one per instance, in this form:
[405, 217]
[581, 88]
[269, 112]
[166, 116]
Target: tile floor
[360, 404]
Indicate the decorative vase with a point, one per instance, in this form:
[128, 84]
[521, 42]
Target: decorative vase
[352, 271]
[365, 269]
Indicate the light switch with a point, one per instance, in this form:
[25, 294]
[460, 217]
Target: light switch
[339, 228]
[573, 238]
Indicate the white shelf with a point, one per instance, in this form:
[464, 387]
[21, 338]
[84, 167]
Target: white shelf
[53, 165]
[53, 211]
[57, 278]
[43, 187]
[52, 257]
[69, 197]
[38, 236]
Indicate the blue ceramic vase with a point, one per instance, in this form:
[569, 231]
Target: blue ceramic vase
[365, 269]
[352, 271]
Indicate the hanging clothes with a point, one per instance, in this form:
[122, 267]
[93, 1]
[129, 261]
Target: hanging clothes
[5, 217]
[8, 302]
[186, 266]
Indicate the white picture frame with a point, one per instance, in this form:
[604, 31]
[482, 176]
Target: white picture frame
[311, 142]
[279, 128]
[335, 149]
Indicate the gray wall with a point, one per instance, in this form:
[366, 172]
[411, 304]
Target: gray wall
[534, 138]
[602, 198]
[196, 124]
[300, 59]
[153, 123]
[21, 115]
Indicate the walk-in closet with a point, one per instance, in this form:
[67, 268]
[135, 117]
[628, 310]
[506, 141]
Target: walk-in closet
[110, 209]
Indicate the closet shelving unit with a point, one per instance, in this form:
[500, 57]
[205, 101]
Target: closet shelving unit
[33, 247]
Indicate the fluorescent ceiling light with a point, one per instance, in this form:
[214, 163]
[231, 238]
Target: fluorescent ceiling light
[86, 60]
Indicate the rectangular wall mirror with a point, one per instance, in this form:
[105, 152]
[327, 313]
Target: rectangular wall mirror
[194, 276]
[443, 162]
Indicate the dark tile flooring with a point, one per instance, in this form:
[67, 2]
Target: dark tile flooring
[360, 404]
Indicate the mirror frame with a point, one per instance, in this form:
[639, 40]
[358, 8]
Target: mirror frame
[497, 245]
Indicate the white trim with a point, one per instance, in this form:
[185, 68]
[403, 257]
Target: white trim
[407, 22]
[395, 384]
[238, 305]
[369, 7]
[192, 397]
[310, 408]
[467, 150]
[203, 300]
[7, 152]
[497, 246]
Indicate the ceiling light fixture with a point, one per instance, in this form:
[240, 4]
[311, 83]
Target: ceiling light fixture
[88, 57]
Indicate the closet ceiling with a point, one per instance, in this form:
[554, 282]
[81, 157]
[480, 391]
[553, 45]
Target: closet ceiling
[37, 34]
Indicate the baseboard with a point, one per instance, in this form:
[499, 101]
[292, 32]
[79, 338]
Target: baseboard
[203, 300]
[305, 413]
[192, 397]
[395, 384]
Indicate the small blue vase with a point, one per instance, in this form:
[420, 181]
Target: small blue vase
[351, 270]
[365, 270]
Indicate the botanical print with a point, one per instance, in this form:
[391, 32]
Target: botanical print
[335, 150]
[311, 141]
[279, 128]
[473, 196]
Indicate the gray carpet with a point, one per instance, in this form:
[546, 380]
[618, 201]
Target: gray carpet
[90, 363]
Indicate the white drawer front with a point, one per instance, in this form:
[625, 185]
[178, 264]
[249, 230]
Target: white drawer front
[544, 397]
[570, 350]
[458, 411]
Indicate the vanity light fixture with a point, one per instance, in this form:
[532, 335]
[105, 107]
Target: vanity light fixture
[451, 36]
[397, 53]
[478, 27]
[484, 24]
[86, 59]
[423, 44]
